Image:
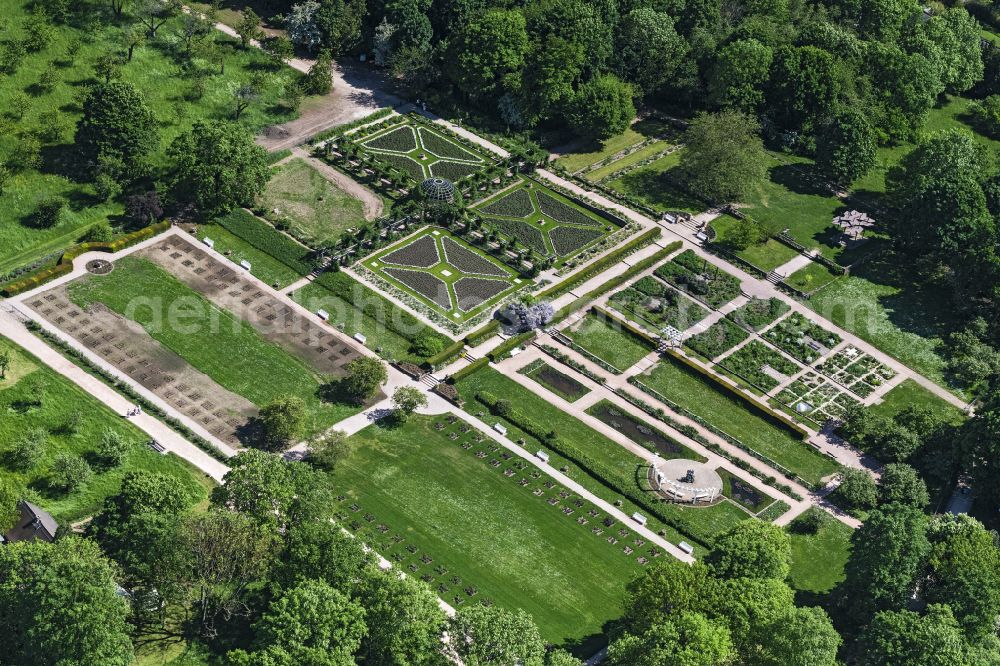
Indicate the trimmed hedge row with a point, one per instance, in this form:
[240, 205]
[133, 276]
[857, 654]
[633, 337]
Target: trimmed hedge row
[65, 264]
[446, 355]
[503, 349]
[126, 390]
[346, 127]
[602, 264]
[472, 368]
[267, 239]
[274, 158]
[766, 412]
[606, 476]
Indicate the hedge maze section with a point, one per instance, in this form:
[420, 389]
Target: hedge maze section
[423, 152]
[543, 221]
[441, 272]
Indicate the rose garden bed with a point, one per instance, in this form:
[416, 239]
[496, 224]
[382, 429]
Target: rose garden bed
[423, 152]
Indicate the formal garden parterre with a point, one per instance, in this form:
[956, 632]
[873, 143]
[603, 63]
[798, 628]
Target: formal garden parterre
[543, 221]
[422, 151]
[442, 276]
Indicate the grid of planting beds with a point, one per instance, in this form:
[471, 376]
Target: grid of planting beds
[860, 372]
[815, 397]
[804, 339]
[543, 221]
[655, 305]
[701, 279]
[760, 365]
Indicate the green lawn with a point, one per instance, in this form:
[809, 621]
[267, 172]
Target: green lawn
[218, 342]
[908, 324]
[33, 396]
[704, 522]
[319, 211]
[818, 559]
[607, 341]
[496, 536]
[263, 266]
[155, 70]
[386, 342]
[911, 394]
[634, 157]
[651, 187]
[766, 256]
[811, 277]
[732, 415]
[593, 154]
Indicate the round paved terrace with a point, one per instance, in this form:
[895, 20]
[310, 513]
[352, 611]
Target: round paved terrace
[704, 484]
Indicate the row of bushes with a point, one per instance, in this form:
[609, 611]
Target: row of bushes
[692, 433]
[126, 390]
[267, 239]
[510, 344]
[470, 369]
[65, 265]
[274, 158]
[602, 264]
[603, 474]
[618, 280]
[767, 413]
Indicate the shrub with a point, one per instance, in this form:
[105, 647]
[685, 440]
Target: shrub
[28, 450]
[69, 472]
[113, 449]
[809, 523]
[48, 212]
[99, 233]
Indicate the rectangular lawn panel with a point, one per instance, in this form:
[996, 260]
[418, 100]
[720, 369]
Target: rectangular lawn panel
[731, 415]
[155, 71]
[564, 386]
[213, 340]
[609, 342]
[766, 255]
[911, 394]
[818, 560]
[318, 209]
[810, 278]
[652, 186]
[512, 546]
[33, 396]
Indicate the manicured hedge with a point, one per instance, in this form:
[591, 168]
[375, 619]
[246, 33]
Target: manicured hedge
[65, 264]
[446, 355]
[502, 350]
[267, 239]
[473, 367]
[602, 264]
[611, 478]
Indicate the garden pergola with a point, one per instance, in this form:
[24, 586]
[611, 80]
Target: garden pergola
[854, 223]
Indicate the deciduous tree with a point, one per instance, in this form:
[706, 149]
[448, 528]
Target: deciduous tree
[724, 158]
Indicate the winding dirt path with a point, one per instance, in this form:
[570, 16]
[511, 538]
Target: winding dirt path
[371, 201]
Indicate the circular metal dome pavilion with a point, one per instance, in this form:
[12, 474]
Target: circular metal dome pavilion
[438, 190]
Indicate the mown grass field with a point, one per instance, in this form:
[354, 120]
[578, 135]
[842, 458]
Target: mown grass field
[766, 256]
[517, 549]
[818, 560]
[608, 342]
[634, 157]
[704, 522]
[650, 185]
[731, 415]
[318, 209]
[28, 381]
[592, 154]
[911, 394]
[156, 70]
[213, 340]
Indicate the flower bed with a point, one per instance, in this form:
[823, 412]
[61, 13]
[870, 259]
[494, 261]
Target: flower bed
[856, 370]
[563, 212]
[759, 312]
[720, 337]
[815, 397]
[655, 304]
[401, 139]
[523, 233]
[801, 338]
[472, 292]
[421, 253]
[424, 284]
[516, 203]
[567, 240]
[442, 147]
[752, 361]
[468, 261]
[453, 171]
